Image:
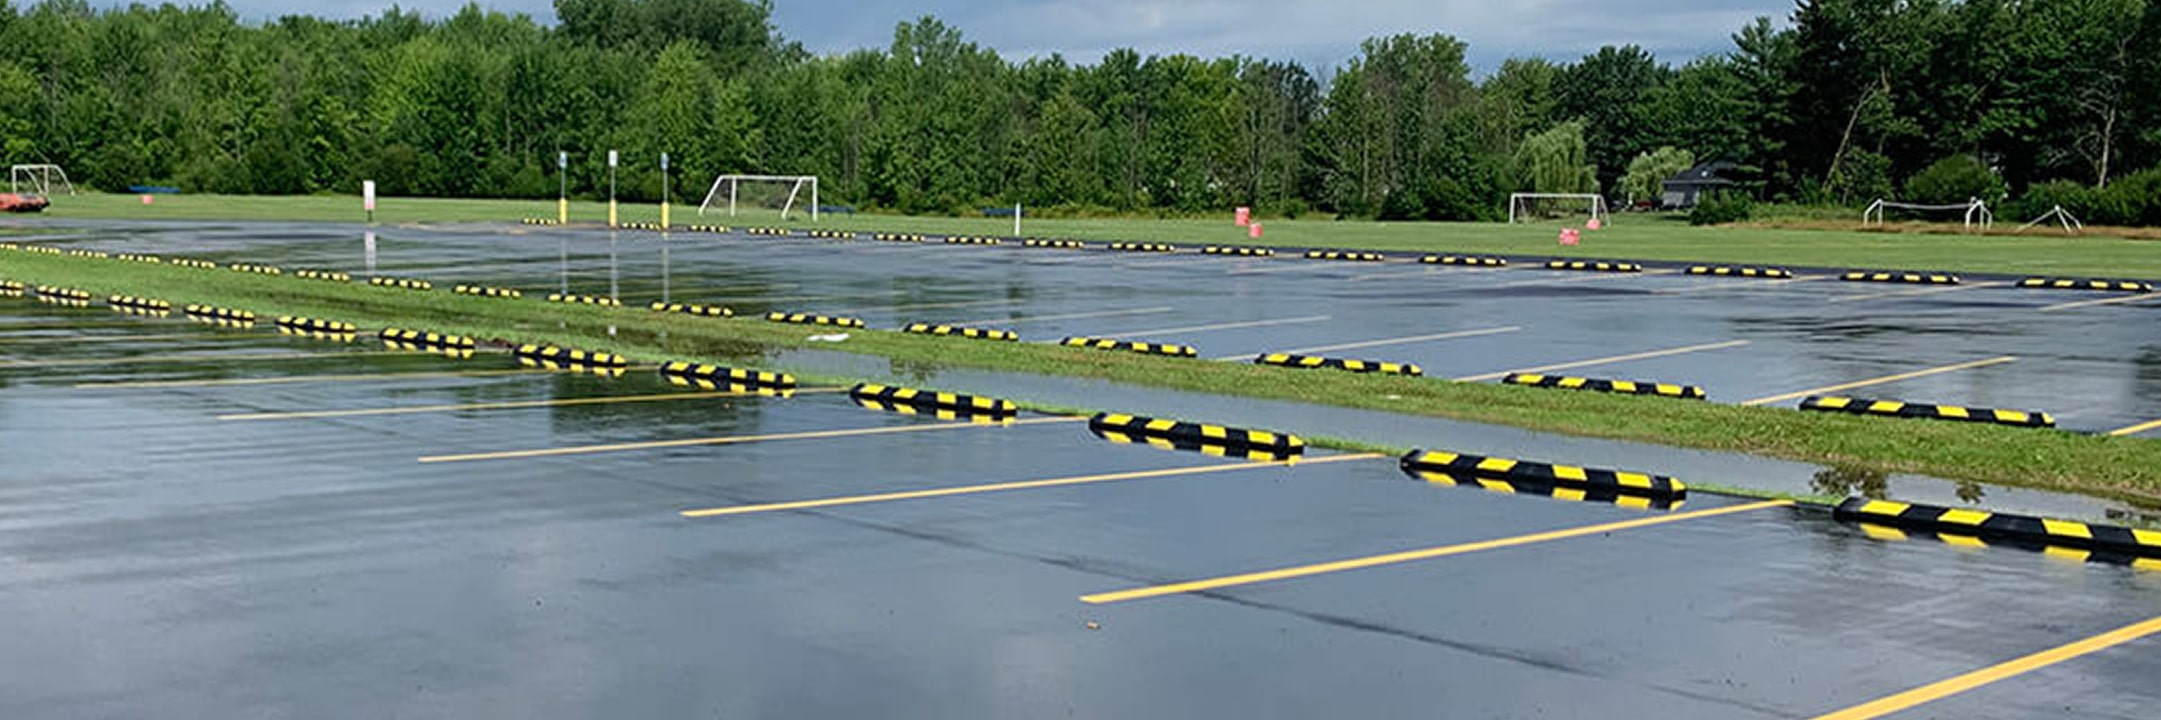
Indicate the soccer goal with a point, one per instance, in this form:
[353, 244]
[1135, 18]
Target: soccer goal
[761, 196]
[1533, 207]
[1974, 213]
[40, 179]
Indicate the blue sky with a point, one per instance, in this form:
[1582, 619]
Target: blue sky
[1320, 33]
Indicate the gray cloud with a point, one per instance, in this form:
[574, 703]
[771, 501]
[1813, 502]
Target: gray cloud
[1317, 32]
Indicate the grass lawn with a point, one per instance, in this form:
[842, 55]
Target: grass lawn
[1629, 237]
[2121, 468]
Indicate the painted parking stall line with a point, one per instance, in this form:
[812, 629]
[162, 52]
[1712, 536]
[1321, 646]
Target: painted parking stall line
[726, 440]
[1385, 342]
[1072, 316]
[513, 405]
[308, 379]
[1601, 277]
[1996, 673]
[1919, 293]
[2136, 429]
[1747, 287]
[1939, 370]
[1013, 486]
[1222, 326]
[2096, 303]
[1397, 558]
[185, 359]
[1646, 355]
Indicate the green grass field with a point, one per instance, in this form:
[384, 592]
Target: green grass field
[1629, 237]
[2122, 468]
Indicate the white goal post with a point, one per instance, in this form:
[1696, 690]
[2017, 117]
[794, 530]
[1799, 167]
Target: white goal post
[1525, 207]
[1974, 211]
[40, 178]
[727, 189]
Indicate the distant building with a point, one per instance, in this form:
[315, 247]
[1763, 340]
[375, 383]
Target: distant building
[1684, 190]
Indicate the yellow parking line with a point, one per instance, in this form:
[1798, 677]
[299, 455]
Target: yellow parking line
[1188, 260]
[215, 359]
[1370, 561]
[422, 409]
[73, 339]
[1003, 487]
[1389, 341]
[1881, 380]
[728, 440]
[1222, 326]
[930, 306]
[798, 299]
[1608, 360]
[1737, 286]
[1917, 293]
[1593, 277]
[1995, 673]
[1295, 267]
[2135, 429]
[1425, 270]
[1074, 316]
[298, 379]
[2093, 303]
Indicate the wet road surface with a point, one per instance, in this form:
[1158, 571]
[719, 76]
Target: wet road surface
[2095, 367]
[195, 549]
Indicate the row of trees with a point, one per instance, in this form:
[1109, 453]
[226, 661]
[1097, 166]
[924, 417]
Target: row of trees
[1842, 104]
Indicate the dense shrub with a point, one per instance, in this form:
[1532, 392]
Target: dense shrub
[2131, 201]
[1954, 179]
[2134, 200]
[1719, 208]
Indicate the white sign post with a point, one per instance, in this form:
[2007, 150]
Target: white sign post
[664, 192]
[562, 193]
[367, 198]
[611, 188]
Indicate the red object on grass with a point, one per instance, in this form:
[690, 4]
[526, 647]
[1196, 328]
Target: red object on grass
[11, 202]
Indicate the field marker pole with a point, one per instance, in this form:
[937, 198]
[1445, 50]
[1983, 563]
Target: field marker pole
[611, 189]
[562, 192]
[664, 191]
[1016, 219]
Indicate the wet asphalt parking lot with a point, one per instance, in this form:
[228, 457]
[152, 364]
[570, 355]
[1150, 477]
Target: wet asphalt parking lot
[205, 522]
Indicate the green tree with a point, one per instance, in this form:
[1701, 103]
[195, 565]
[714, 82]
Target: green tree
[1555, 161]
[1608, 92]
[1648, 173]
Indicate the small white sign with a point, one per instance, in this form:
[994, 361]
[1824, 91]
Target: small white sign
[663, 162]
[367, 194]
[611, 158]
[562, 160]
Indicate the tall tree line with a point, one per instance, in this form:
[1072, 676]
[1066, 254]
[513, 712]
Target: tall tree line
[1846, 101]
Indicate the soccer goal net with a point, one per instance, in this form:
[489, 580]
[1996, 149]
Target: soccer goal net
[762, 197]
[1535, 207]
[38, 180]
[1974, 213]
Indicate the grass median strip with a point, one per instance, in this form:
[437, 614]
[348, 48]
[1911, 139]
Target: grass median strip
[2116, 467]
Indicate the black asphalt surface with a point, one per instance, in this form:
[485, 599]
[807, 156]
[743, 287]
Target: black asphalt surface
[2095, 368]
[156, 560]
